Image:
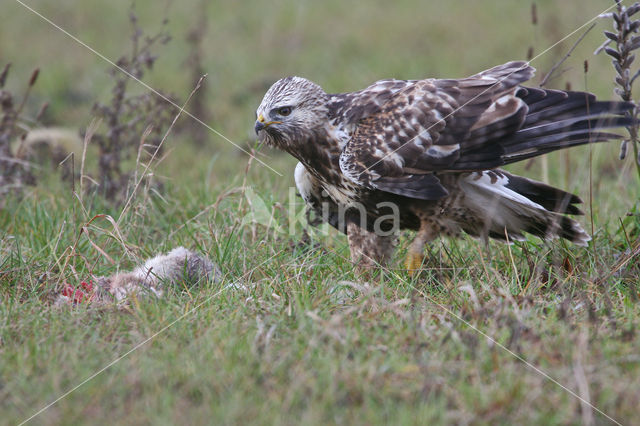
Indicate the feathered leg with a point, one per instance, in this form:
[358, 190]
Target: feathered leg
[369, 250]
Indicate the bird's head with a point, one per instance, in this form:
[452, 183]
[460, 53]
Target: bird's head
[291, 110]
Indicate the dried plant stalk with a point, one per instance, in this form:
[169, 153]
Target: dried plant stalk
[126, 117]
[620, 45]
[15, 172]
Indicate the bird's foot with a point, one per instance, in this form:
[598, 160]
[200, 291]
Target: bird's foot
[414, 262]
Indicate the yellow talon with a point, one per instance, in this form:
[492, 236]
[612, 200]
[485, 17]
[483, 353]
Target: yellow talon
[415, 256]
[413, 262]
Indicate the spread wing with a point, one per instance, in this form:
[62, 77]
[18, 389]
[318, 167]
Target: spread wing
[476, 123]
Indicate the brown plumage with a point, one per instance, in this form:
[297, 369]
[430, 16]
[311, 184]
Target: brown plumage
[422, 155]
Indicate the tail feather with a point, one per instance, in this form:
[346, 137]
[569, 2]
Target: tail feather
[547, 196]
[507, 206]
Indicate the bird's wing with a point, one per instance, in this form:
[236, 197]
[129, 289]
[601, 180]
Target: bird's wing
[476, 123]
[430, 125]
[355, 106]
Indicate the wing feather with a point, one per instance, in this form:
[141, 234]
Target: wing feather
[423, 126]
[411, 131]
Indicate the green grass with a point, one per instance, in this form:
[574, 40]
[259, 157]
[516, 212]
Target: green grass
[292, 335]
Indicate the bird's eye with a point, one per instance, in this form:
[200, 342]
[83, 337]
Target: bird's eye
[284, 111]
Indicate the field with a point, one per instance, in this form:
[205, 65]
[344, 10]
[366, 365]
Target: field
[531, 333]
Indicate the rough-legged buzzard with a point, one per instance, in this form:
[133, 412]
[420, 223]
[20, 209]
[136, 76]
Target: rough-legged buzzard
[424, 155]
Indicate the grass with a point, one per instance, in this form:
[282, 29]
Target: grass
[291, 335]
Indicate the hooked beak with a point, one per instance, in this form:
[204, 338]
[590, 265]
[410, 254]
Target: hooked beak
[261, 124]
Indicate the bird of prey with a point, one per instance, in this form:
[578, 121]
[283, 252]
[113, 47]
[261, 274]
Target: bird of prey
[425, 155]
